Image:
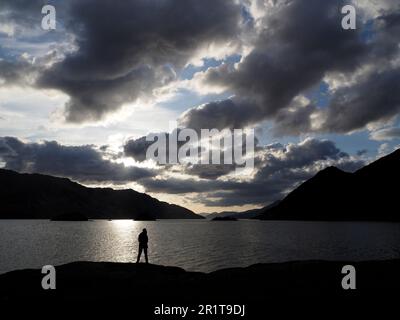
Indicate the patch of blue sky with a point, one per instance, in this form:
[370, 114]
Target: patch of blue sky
[34, 41]
[188, 72]
[367, 32]
[355, 142]
[350, 143]
[264, 134]
[12, 47]
[3, 53]
[319, 95]
[45, 36]
[246, 15]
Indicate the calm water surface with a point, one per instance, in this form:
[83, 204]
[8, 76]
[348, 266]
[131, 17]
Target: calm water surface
[193, 245]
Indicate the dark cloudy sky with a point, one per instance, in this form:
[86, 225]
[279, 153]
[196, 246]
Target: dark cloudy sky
[79, 101]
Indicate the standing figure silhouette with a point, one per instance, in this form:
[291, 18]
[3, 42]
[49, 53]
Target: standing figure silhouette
[143, 240]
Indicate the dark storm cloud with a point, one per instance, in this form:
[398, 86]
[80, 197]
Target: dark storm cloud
[375, 98]
[127, 48]
[306, 153]
[91, 99]
[280, 175]
[279, 171]
[292, 122]
[211, 171]
[362, 152]
[229, 113]
[300, 45]
[176, 186]
[16, 72]
[137, 148]
[81, 163]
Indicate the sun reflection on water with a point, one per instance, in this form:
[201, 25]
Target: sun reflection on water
[123, 224]
[124, 239]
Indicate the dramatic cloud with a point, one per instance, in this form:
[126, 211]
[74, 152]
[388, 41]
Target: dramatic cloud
[137, 148]
[230, 113]
[295, 120]
[280, 169]
[286, 67]
[81, 163]
[375, 98]
[212, 171]
[299, 45]
[128, 48]
[120, 52]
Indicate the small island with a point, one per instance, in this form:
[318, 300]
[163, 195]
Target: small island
[224, 219]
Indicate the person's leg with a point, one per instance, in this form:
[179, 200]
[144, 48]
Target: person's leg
[145, 254]
[139, 254]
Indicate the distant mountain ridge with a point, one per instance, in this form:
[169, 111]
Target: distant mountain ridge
[37, 196]
[248, 214]
[369, 194]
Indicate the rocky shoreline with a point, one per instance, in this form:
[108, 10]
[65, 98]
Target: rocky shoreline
[152, 284]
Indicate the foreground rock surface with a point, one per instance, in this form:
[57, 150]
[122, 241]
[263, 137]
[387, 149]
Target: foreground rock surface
[93, 281]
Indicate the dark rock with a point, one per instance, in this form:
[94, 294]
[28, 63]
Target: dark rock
[70, 217]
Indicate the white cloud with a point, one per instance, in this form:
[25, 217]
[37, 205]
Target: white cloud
[385, 134]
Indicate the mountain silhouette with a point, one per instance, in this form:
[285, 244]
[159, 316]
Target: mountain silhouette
[248, 214]
[37, 196]
[332, 194]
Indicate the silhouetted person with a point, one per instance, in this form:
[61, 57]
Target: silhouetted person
[143, 239]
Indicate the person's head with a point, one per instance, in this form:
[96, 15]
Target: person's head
[144, 230]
